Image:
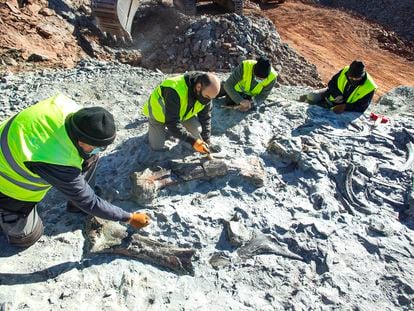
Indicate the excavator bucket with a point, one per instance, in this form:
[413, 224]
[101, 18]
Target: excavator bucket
[115, 17]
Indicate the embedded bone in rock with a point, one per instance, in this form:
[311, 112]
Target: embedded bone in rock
[410, 161]
[220, 260]
[145, 184]
[287, 150]
[110, 237]
[187, 171]
[263, 244]
[214, 168]
[410, 199]
[251, 169]
[344, 186]
[237, 233]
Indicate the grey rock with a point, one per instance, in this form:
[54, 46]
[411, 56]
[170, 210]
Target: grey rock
[220, 260]
[37, 58]
[288, 150]
[237, 233]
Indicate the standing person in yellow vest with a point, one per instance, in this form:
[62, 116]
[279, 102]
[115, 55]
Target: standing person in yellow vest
[250, 83]
[53, 143]
[351, 89]
[182, 106]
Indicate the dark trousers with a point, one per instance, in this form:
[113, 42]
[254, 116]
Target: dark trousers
[20, 220]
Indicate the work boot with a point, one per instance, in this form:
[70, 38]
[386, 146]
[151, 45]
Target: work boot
[30, 239]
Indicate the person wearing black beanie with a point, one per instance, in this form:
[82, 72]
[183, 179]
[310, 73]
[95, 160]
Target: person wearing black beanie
[94, 126]
[351, 89]
[54, 143]
[249, 83]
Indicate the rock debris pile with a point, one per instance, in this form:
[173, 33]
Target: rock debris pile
[219, 43]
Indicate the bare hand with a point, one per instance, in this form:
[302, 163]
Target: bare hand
[245, 105]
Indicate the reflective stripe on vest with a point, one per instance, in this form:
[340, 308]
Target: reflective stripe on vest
[243, 86]
[10, 160]
[36, 134]
[154, 108]
[359, 92]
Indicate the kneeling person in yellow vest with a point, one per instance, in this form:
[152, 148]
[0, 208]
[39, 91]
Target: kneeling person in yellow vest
[250, 83]
[54, 143]
[182, 106]
[351, 89]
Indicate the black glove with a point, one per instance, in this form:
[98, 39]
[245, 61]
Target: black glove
[214, 148]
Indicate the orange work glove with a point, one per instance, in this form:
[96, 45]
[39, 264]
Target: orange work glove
[139, 220]
[201, 146]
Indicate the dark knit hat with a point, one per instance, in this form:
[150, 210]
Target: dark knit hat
[262, 67]
[356, 69]
[94, 126]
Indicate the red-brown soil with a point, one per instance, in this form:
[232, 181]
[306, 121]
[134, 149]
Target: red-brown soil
[327, 37]
[331, 39]
[35, 29]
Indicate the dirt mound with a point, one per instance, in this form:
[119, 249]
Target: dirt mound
[217, 43]
[346, 38]
[59, 33]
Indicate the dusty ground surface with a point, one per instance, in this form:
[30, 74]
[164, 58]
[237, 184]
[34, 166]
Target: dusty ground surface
[331, 38]
[355, 256]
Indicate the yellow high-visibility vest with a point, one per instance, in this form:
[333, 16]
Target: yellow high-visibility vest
[244, 85]
[359, 92]
[36, 134]
[155, 106]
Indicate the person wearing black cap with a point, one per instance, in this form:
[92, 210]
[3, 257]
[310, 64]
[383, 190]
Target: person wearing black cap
[53, 143]
[351, 89]
[249, 83]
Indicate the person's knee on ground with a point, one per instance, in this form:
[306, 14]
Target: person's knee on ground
[21, 230]
[156, 135]
[193, 126]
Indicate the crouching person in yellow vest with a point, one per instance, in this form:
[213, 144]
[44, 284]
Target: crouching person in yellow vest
[249, 83]
[182, 106]
[53, 143]
[351, 89]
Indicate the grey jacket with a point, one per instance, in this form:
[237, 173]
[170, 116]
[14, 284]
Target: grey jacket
[235, 77]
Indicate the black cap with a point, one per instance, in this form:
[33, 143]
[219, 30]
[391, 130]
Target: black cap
[262, 67]
[94, 126]
[356, 69]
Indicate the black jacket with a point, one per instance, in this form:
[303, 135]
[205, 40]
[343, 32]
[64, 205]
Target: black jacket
[172, 113]
[71, 182]
[360, 105]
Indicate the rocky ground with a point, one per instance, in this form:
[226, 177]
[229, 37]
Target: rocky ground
[333, 188]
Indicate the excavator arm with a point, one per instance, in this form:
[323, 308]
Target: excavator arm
[114, 17]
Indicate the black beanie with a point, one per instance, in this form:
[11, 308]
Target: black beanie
[94, 126]
[262, 67]
[356, 69]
